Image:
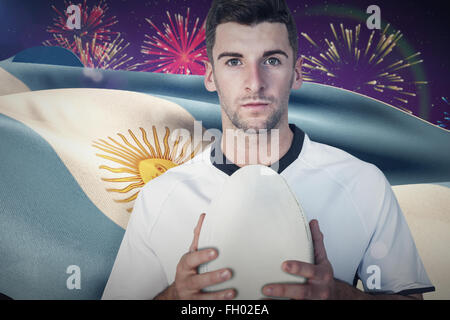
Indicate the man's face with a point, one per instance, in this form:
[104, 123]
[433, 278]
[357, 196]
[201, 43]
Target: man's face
[253, 74]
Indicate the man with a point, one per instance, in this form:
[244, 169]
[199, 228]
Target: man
[252, 48]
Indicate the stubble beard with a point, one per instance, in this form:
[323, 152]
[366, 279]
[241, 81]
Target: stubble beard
[272, 121]
[248, 124]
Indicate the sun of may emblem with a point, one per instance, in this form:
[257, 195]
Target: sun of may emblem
[143, 161]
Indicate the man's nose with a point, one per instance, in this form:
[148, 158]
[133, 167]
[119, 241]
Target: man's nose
[255, 81]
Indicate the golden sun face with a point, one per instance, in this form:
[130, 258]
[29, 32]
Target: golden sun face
[151, 168]
[142, 161]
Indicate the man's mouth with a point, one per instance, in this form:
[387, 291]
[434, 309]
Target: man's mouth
[256, 104]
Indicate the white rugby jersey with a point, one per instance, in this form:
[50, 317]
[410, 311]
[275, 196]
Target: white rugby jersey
[365, 233]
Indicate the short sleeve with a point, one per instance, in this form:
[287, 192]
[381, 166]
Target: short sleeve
[391, 262]
[137, 272]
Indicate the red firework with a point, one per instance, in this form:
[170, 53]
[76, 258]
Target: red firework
[176, 50]
[94, 24]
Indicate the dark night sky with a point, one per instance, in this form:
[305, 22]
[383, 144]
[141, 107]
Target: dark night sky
[424, 26]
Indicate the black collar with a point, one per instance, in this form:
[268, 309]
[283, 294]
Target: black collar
[229, 167]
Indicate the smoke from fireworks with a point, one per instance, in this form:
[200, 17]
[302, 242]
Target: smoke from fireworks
[177, 50]
[362, 67]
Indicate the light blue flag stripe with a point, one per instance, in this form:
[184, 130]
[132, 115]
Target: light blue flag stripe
[48, 223]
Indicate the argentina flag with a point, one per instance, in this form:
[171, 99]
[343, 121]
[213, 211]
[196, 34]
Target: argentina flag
[77, 144]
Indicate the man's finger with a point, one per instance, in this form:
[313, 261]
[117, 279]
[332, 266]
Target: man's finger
[192, 260]
[194, 244]
[292, 291]
[320, 254]
[304, 269]
[218, 295]
[201, 281]
[296, 291]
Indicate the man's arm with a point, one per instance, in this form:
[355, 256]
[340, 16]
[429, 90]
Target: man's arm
[137, 272]
[347, 292]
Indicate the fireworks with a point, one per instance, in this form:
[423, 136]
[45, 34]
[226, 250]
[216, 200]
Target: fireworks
[445, 100]
[92, 43]
[445, 120]
[176, 50]
[98, 55]
[94, 25]
[108, 55]
[362, 67]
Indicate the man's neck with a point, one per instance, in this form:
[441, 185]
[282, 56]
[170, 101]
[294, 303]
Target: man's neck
[265, 148]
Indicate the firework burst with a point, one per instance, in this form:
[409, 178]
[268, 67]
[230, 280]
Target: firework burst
[107, 55]
[362, 67]
[177, 50]
[94, 25]
[445, 100]
[445, 122]
[93, 43]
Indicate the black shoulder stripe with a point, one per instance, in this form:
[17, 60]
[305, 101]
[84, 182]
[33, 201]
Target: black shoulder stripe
[418, 290]
[219, 160]
[407, 291]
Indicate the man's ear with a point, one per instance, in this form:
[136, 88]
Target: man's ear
[210, 85]
[298, 77]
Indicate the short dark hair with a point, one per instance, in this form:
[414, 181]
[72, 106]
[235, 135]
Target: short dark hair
[249, 12]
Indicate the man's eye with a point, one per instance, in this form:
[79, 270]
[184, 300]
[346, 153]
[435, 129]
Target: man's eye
[233, 62]
[273, 61]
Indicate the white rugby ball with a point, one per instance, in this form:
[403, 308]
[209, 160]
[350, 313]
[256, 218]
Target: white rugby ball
[255, 223]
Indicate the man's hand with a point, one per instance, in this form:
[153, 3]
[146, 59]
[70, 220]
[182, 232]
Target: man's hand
[188, 283]
[320, 283]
